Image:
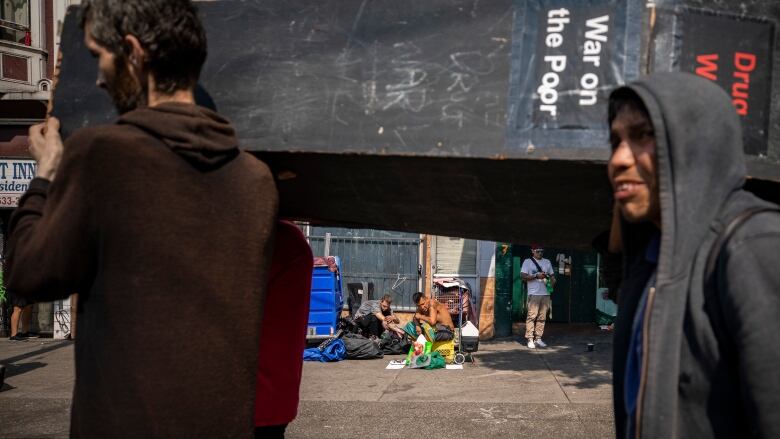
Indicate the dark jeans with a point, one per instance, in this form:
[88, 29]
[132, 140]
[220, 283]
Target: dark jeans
[443, 333]
[370, 325]
[270, 432]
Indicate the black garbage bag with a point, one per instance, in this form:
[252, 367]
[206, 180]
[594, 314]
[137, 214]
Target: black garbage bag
[361, 348]
[395, 346]
[348, 324]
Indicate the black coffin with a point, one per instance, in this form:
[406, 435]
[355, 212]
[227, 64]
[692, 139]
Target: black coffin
[481, 119]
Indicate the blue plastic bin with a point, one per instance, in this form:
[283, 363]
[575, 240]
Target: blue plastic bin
[326, 302]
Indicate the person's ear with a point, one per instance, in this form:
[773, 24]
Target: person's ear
[136, 55]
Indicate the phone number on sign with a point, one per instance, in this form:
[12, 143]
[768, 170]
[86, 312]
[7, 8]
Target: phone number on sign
[12, 200]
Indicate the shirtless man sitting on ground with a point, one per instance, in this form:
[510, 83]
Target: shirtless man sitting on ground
[434, 313]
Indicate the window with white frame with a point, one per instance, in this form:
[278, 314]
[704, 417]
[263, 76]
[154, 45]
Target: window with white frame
[15, 21]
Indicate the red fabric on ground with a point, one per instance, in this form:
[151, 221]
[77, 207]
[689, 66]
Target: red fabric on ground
[283, 336]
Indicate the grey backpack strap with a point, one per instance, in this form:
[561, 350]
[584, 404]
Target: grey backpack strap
[717, 247]
[712, 302]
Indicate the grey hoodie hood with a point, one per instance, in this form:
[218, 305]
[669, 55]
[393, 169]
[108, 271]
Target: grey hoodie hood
[700, 160]
[200, 136]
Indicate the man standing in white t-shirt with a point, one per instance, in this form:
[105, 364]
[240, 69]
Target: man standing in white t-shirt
[537, 272]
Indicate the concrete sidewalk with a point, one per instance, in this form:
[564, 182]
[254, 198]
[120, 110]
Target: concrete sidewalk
[35, 399]
[509, 392]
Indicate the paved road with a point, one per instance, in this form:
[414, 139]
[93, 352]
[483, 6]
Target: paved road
[35, 400]
[509, 392]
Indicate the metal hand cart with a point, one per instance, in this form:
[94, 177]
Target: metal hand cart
[456, 294]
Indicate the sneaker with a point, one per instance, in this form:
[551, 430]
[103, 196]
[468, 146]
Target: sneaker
[540, 343]
[29, 334]
[531, 344]
[18, 337]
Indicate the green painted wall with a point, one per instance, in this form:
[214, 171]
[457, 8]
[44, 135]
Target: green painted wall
[518, 287]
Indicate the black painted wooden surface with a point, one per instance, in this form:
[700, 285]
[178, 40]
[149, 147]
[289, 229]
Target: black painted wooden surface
[400, 114]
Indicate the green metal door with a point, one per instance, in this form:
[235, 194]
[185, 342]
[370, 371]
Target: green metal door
[585, 284]
[519, 291]
[561, 296]
[574, 297]
[503, 299]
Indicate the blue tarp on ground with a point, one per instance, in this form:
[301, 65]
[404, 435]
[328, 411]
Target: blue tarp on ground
[335, 351]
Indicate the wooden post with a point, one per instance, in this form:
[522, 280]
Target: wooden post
[428, 268]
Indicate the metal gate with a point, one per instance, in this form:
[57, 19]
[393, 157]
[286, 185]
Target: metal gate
[454, 257]
[389, 260]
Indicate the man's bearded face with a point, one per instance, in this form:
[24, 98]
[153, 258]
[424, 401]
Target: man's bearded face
[127, 90]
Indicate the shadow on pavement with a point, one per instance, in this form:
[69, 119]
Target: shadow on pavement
[566, 356]
[51, 346]
[584, 369]
[13, 370]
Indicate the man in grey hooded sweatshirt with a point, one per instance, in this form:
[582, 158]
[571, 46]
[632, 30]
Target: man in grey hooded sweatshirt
[696, 351]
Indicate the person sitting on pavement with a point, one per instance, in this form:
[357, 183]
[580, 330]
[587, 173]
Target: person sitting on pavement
[376, 316]
[436, 314]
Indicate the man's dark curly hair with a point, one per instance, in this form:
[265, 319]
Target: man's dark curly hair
[169, 30]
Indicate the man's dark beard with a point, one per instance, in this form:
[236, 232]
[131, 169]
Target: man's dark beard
[124, 90]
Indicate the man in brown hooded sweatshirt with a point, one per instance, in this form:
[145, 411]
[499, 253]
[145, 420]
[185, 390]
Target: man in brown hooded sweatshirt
[162, 226]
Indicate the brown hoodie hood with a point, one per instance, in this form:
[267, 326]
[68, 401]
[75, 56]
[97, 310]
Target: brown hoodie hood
[200, 136]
